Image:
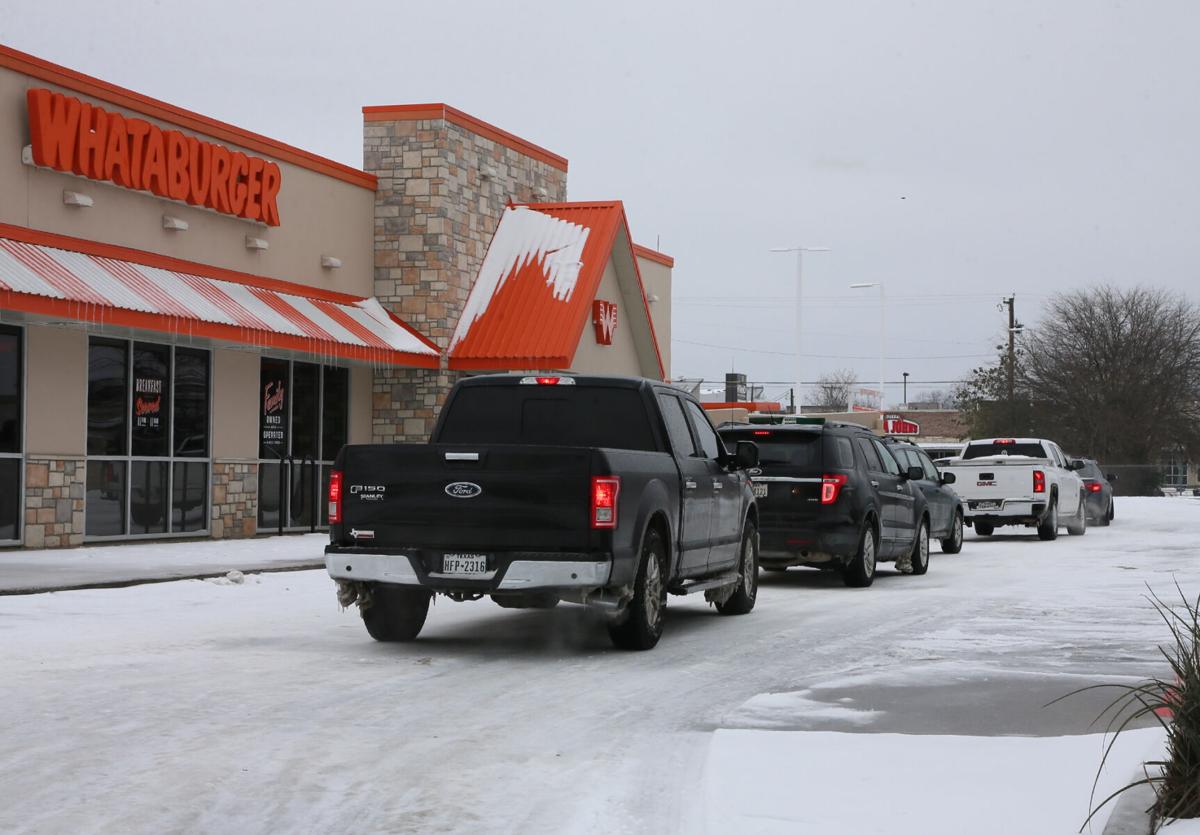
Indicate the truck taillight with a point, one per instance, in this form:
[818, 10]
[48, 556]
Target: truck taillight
[1039, 481]
[831, 487]
[335, 497]
[605, 489]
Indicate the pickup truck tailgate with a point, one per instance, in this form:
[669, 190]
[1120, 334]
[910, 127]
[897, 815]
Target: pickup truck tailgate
[995, 479]
[453, 496]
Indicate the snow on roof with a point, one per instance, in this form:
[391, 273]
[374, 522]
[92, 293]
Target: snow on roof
[524, 237]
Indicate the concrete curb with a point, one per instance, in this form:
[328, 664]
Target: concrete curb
[1129, 816]
[142, 581]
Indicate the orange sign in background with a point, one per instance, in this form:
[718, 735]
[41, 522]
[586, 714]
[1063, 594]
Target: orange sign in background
[70, 135]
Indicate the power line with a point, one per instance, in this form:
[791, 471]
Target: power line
[828, 356]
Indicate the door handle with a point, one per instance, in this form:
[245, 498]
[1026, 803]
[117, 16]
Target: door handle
[874, 483]
[689, 484]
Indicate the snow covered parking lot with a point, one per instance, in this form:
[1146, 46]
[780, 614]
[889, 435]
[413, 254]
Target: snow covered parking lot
[912, 706]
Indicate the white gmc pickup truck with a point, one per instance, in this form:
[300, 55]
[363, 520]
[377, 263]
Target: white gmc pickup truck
[1019, 481]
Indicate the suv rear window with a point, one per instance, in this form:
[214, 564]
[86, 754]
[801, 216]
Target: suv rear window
[591, 416]
[790, 448]
[1091, 470]
[974, 450]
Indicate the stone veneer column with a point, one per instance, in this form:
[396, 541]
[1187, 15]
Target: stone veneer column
[54, 500]
[436, 209]
[234, 500]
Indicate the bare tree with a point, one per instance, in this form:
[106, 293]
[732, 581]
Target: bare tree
[937, 399]
[1111, 374]
[834, 389]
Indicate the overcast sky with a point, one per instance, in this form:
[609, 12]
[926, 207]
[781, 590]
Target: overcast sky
[956, 151]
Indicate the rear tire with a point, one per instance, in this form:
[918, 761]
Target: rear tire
[984, 529]
[396, 613]
[641, 624]
[860, 571]
[1106, 520]
[920, 552]
[1079, 526]
[743, 598]
[1048, 530]
[953, 543]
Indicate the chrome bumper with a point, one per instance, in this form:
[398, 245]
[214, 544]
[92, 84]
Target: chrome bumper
[521, 575]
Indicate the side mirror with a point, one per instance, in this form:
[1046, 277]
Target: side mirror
[914, 473]
[745, 455]
[949, 478]
[1077, 464]
[1111, 476]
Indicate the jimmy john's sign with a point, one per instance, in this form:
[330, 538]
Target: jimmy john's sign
[67, 134]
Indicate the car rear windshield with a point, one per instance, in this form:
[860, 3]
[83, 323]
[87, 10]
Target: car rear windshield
[1090, 470]
[793, 449]
[579, 415]
[984, 450]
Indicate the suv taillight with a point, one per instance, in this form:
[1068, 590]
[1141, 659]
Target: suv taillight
[831, 487]
[335, 497]
[605, 489]
[1039, 481]
[1095, 487]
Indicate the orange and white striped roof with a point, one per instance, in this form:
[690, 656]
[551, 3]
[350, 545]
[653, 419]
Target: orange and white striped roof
[47, 280]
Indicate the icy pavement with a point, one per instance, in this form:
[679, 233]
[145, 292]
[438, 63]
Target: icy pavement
[262, 707]
[24, 571]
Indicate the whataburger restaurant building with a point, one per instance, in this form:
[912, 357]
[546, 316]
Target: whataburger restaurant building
[195, 318]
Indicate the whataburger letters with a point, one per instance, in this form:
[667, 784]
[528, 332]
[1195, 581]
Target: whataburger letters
[70, 135]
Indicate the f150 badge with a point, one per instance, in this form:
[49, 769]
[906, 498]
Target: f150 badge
[463, 490]
[368, 492]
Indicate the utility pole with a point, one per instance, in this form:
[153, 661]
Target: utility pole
[1011, 302]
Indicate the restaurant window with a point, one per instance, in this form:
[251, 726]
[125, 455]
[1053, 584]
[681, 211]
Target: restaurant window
[303, 422]
[147, 439]
[11, 432]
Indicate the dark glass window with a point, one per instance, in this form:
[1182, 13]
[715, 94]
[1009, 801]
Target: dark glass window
[105, 498]
[335, 411]
[273, 409]
[889, 461]
[306, 409]
[840, 452]
[984, 449]
[10, 497]
[268, 496]
[870, 456]
[189, 492]
[108, 397]
[191, 403]
[704, 430]
[800, 452]
[677, 425]
[10, 394]
[304, 487]
[151, 399]
[590, 416]
[148, 497]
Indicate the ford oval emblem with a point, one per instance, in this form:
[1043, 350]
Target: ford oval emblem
[463, 490]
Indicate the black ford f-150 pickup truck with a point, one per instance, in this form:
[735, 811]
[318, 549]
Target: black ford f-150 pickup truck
[606, 491]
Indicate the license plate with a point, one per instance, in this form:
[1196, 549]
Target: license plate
[760, 491]
[987, 505]
[467, 564]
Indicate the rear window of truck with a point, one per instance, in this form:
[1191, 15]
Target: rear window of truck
[984, 450]
[590, 416]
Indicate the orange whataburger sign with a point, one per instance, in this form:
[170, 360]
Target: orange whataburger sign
[70, 135]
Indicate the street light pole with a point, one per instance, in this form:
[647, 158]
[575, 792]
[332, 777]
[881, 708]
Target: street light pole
[905, 403]
[882, 329]
[799, 249]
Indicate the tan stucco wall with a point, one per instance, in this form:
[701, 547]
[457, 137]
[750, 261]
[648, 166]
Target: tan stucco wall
[656, 278]
[55, 391]
[621, 356]
[319, 214]
[235, 377]
[360, 406]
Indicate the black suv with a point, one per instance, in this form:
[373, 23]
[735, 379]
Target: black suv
[1099, 492]
[832, 495]
[945, 507]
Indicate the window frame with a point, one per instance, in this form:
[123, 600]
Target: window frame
[691, 409]
[170, 459]
[23, 410]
